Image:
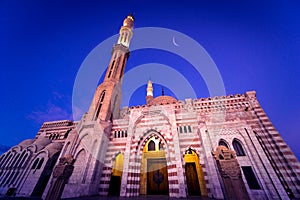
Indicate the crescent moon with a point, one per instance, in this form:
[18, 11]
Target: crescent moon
[174, 42]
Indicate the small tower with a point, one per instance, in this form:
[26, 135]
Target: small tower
[149, 96]
[107, 98]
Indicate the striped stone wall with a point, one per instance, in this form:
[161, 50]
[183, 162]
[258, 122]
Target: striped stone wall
[280, 156]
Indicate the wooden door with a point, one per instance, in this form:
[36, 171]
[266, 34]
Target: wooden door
[192, 179]
[157, 177]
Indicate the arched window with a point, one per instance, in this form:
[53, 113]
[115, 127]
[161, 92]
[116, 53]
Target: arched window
[13, 164]
[8, 160]
[18, 163]
[35, 163]
[111, 69]
[185, 129]
[189, 151]
[22, 163]
[14, 178]
[100, 104]
[4, 158]
[238, 148]
[223, 143]
[151, 146]
[40, 163]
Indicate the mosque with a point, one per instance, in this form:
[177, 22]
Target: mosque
[222, 147]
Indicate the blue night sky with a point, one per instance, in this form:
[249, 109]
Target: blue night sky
[255, 45]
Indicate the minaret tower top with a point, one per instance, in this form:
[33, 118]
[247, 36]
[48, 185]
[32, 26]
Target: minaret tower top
[128, 21]
[149, 88]
[149, 96]
[126, 31]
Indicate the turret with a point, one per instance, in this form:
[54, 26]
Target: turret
[126, 31]
[149, 96]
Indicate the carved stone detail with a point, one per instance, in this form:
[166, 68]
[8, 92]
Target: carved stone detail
[230, 173]
[61, 175]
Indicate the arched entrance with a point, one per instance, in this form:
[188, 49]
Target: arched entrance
[154, 174]
[45, 176]
[116, 176]
[194, 174]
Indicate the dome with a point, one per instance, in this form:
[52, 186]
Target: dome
[25, 143]
[54, 146]
[42, 141]
[163, 100]
[128, 21]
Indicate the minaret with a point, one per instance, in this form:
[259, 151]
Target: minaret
[107, 98]
[149, 96]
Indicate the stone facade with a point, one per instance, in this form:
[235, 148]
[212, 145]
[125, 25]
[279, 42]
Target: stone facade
[218, 147]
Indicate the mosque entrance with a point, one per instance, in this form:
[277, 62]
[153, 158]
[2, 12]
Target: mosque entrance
[194, 175]
[116, 176]
[154, 173]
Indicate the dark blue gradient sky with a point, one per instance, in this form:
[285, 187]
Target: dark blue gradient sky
[255, 45]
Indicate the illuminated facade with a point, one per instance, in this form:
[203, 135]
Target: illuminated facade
[218, 147]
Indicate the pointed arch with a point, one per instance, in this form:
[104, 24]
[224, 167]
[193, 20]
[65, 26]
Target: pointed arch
[153, 162]
[80, 160]
[223, 143]
[43, 153]
[85, 141]
[149, 134]
[195, 181]
[151, 146]
[238, 148]
[65, 149]
[32, 148]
